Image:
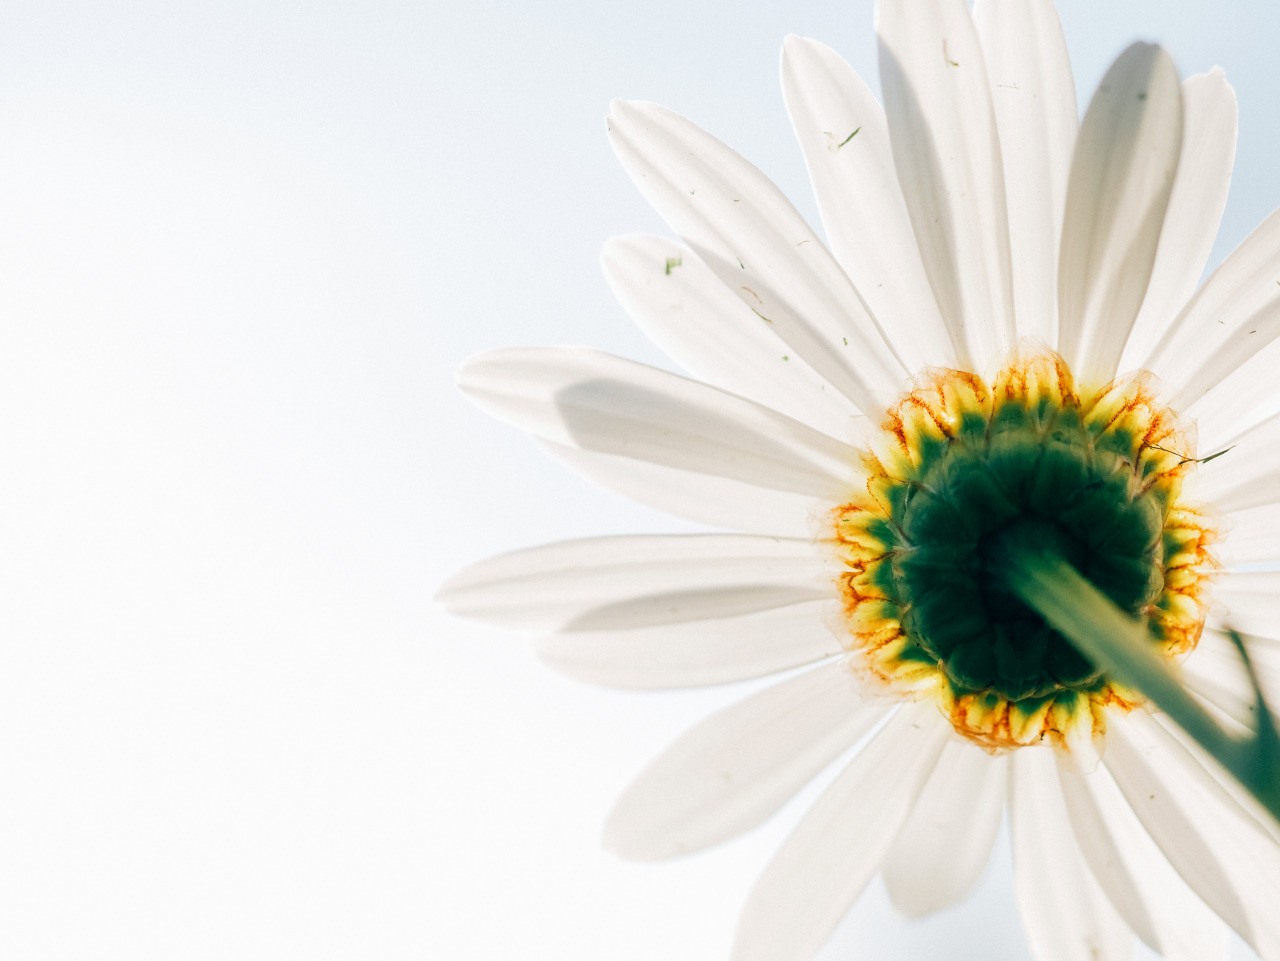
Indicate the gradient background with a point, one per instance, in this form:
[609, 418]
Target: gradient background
[242, 247]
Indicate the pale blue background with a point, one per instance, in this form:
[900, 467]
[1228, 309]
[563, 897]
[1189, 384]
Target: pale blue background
[242, 247]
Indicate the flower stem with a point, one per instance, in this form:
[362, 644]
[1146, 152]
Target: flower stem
[1120, 645]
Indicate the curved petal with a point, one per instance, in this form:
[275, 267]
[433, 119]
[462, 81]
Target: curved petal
[590, 399]
[1148, 894]
[831, 855]
[711, 651]
[845, 138]
[947, 153]
[1066, 915]
[716, 501]
[1122, 175]
[637, 581]
[699, 323]
[1217, 849]
[1248, 475]
[941, 850]
[1249, 601]
[1195, 209]
[736, 768]
[1205, 355]
[1034, 97]
[753, 239]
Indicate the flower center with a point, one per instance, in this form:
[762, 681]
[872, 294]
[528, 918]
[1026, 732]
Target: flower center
[966, 475]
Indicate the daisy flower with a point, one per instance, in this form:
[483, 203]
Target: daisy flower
[998, 347]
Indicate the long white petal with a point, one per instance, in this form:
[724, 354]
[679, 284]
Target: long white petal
[947, 153]
[831, 855]
[716, 501]
[1215, 672]
[751, 236]
[1217, 849]
[1122, 175]
[945, 843]
[1035, 104]
[710, 651]
[1250, 601]
[845, 138]
[1248, 475]
[1195, 209]
[1066, 915]
[637, 581]
[680, 305]
[1149, 895]
[1213, 356]
[736, 768]
[590, 399]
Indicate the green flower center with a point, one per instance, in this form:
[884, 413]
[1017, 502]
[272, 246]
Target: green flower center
[1039, 479]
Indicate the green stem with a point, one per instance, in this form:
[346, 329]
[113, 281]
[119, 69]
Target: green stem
[1119, 644]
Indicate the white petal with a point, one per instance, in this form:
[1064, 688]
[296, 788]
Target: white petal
[736, 768]
[1195, 209]
[947, 154]
[842, 130]
[1248, 475]
[1149, 895]
[1035, 104]
[1215, 672]
[705, 498]
[1065, 913]
[753, 239]
[1250, 602]
[695, 320]
[637, 581]
[831, 855]
[710, 651]
[942, 849]
[1219, 851]
[590, 399]
[1122, 174]
[1253, 535]
[1205, 355]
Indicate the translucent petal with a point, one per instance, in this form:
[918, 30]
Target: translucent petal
[1065, 913]
[699, 323]
[1122, 175]
[590, 399]
[941, 850]
[1195, 209]
[710, 651]
[1253, 535]
[947, 153]
[1217, 849]
[1035, 105]
[1149, 895]
[637, 581]
[751, 236]
[734, 769]
[840, 844]
[842, 130]
[1248, 475]
[716, 501]
[1206, 355]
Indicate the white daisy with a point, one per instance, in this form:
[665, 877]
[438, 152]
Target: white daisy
[1000, 343]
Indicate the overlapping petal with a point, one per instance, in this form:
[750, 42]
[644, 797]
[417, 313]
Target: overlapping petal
[683, 307]
[753, 239]
[1034, 98]
[634, 581]
[845, 138]
[947, 153]
[1122, 175]
[696, 653]
[733, 770]
[838, 847]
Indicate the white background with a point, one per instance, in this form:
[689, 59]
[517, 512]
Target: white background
[242, 247]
